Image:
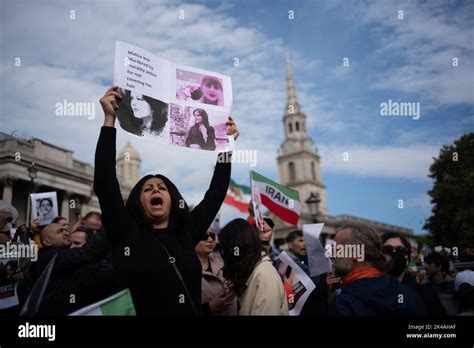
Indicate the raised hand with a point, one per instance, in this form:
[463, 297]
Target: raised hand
[109, 103]
[232, 130]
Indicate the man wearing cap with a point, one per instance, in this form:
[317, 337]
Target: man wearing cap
[464, 287]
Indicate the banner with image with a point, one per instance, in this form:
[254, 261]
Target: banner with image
[296, 282]
[171, 103]
[44, 207]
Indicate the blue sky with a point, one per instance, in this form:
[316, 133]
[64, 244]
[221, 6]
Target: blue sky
[405, 60]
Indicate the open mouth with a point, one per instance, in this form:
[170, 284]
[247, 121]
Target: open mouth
[157, 202]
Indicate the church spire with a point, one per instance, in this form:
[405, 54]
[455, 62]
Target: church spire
[292, 105]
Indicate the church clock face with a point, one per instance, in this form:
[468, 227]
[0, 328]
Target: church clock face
[289, 145]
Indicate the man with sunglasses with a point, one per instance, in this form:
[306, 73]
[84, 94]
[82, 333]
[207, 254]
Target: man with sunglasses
[396, 250]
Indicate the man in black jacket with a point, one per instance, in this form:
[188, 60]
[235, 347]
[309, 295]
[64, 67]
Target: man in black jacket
[77, 278]
[397, 250]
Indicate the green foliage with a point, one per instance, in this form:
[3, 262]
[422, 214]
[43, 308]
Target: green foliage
[452, 195]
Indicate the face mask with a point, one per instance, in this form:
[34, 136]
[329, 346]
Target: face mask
[397, 264]
[9, 226]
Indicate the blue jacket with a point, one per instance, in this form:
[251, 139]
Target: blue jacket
[382, 295]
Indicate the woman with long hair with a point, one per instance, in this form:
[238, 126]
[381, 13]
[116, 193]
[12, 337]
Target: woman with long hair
[249, 271]
[201, 135]
[153, 235]
[140, 114]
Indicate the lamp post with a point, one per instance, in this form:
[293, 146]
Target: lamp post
[313, 205]
[32, 173]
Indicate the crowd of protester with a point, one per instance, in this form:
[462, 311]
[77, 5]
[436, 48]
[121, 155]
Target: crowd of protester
[238, 277]
[175, 264]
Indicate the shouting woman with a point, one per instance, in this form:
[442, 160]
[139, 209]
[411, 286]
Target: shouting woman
[153, 235]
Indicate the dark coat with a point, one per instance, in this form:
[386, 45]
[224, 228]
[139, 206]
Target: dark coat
[77, 278]
[138, 256]
[429, 297]
[377, 296]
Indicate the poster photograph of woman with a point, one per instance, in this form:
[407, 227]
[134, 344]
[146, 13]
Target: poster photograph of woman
[44, 207]
[205, 89]
[198, 128]
[143, 115]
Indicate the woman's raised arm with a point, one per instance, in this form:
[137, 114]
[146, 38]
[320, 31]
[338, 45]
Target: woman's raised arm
[106, 185]
[204, 213]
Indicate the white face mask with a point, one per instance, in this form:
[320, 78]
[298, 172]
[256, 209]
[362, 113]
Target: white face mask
[9, 226]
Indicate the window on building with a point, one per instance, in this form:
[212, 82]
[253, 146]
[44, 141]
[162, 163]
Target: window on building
[291, 169]
[297, 126]
[313, 171]
[290, 126]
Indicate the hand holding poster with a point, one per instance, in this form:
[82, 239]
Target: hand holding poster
[297, 280]
[280, 200]
[44, 207]
[317, 260]
[170, 103]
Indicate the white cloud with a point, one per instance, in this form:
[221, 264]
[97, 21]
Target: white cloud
[73, 60]
[409, 162]
[425, 41]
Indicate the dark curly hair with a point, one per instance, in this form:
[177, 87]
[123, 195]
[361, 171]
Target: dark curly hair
[133, 124]
[241, 250]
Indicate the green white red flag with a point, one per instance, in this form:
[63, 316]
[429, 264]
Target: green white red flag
[238, 196]
[282, 201]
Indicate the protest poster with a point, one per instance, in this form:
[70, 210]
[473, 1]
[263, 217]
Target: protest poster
[317, 260]
[297, 280]
[8, 286]
[44, 207]
[9, 295]
[171, 103]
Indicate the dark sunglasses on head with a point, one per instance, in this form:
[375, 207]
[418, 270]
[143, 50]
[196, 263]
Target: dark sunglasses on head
[388, 249]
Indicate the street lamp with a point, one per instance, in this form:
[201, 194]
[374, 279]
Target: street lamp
[32, 173]
[313, 205]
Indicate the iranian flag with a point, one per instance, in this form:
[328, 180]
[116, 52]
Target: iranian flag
[118, 304]
[280, 200]
[238, 196]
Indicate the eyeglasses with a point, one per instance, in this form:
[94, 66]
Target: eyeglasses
[388, 249]
[212, 235]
